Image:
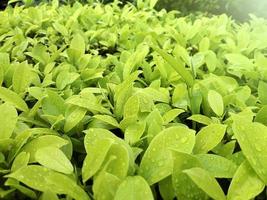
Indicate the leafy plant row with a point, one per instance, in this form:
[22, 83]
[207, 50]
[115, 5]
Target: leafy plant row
[103, 102]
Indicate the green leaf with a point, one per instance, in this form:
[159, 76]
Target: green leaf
[108, 119]
[196, 101]
[217, 166]
[96, 154]
[65, 78]
[54, 158]
[180, 51]
[53, 104]
[262, 88]
[208, 137]
[137, 57]
[156, 163]
[39, 52]
[216, 102]
[245, 183]
[253, 145]
[239, 60]
[211, 60]
[2, 73]
[74, 117]
[60, 28]
[206, 182]
[20, 161]
[197, 61]
[8, 120]
[171, 115]
[43, 141]
[19, 141]
[166, 189]
[131, 107]
[49, 195]
[204, 44]
[87, 104]
[12, 98]
[202, 119]
[134, 132]
[152, 3]
[134, 188]
[118, 160]
[24, 190]
[36, 92]
[123, 93]
[177, 65]
[105, 186]
[22, 77]
[237, 158]
[5, 193]
[183, 186]
[261, 116]
[78, 44]
[180, 96]
[60, 183]
[4, 61]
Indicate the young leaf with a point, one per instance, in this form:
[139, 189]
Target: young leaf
[65, 78]
[211, 60]
[118, 160]
[216, 102]
[87, 104]
[152, 3]
[134, 132]
[183, 186]
[12, 98]
[262, 88]
[20, 161]
[43, 141]
[96, 154]
[204, 44]
[206, 182]
[245, 183]
[134, 188]
[105, 186]
[22, 77]
[49, 195]
[177, 66]
[53, 104]
[8, 120]
[54, 158]
[156, 163]
[171, 115]
[1, 74]
[19, 141]
[217, 166]
[253, 145]
[166, 189]
[74, 118]
[202, 119]
[180, 96]
[261, 116]
[78, 44]
[208, 137]
[60, 183]
[39, 52]
[24, 190]
[108, 119]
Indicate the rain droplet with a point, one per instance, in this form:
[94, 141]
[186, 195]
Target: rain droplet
[258, 148]
[184, 140]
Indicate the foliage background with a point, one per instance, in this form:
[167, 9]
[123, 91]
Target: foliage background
[238, 9]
